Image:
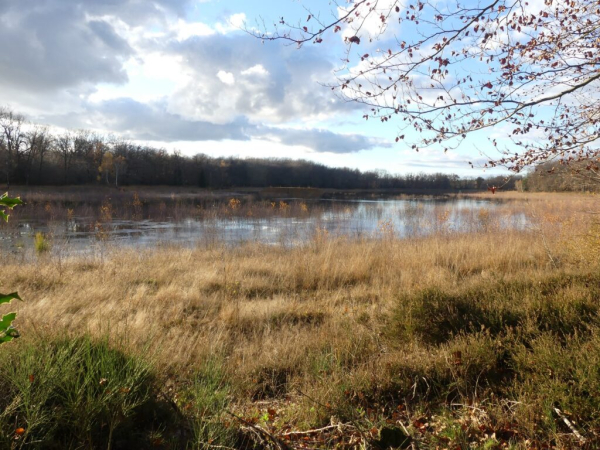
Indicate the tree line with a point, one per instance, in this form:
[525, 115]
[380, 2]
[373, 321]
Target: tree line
[557, 176]
[31, 154]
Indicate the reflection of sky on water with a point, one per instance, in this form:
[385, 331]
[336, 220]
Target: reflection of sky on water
[362, 218]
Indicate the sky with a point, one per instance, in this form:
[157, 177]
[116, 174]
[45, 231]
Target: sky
[182, 74]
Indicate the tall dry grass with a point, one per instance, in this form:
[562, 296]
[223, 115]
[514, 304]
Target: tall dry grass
[354, 328]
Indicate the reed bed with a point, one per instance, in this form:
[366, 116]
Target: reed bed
[453, 340]
[155, 204]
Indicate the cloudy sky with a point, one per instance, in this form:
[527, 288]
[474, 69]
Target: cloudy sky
[181, 74]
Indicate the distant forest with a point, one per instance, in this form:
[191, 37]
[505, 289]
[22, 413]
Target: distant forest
[580, 176]
[32, 155]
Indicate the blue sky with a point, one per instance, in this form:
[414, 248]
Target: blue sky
[180, 74]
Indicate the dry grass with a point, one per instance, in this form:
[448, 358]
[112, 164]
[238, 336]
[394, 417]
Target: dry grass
[343, 327]
[207, 298]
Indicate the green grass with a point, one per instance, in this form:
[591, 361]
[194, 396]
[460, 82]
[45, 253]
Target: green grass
[83, 393]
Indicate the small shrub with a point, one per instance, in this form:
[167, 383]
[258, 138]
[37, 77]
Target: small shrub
[434, 316]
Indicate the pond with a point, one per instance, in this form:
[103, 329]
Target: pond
[283, 221]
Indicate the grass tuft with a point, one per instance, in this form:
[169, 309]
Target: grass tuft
[41, 243]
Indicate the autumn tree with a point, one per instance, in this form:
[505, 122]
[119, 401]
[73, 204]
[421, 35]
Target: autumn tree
[107, 166]
[529, 70]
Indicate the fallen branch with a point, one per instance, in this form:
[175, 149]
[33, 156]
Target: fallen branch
[567, 422]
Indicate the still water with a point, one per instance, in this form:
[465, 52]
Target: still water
[355, 219]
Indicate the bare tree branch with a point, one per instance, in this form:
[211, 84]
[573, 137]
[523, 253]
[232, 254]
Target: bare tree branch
[451, 70]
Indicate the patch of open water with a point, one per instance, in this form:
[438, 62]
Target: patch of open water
[355, 219]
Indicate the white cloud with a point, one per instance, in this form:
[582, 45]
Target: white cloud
[235, 22]
[253, 148]
[270, 84]
[186, 30]
[256, 70]
[226, 77]
[152, 77]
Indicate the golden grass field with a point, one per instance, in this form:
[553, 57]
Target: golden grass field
[458, 340]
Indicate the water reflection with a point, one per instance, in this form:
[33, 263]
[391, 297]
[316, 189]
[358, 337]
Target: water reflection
[287, 226]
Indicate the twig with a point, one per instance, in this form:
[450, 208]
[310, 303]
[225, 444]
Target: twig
[540, 231]
[413, 441]
[567, 422]
[547, 248]
[318, 430]
[475, 408]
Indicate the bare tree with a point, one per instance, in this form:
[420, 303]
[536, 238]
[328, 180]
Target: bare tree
[65, 148]
[12, 139]
[530, 70]
[37, 143]
[85, 146]
[119, 164]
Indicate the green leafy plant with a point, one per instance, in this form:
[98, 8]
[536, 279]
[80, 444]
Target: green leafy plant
[7, 331]
[6, 203]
